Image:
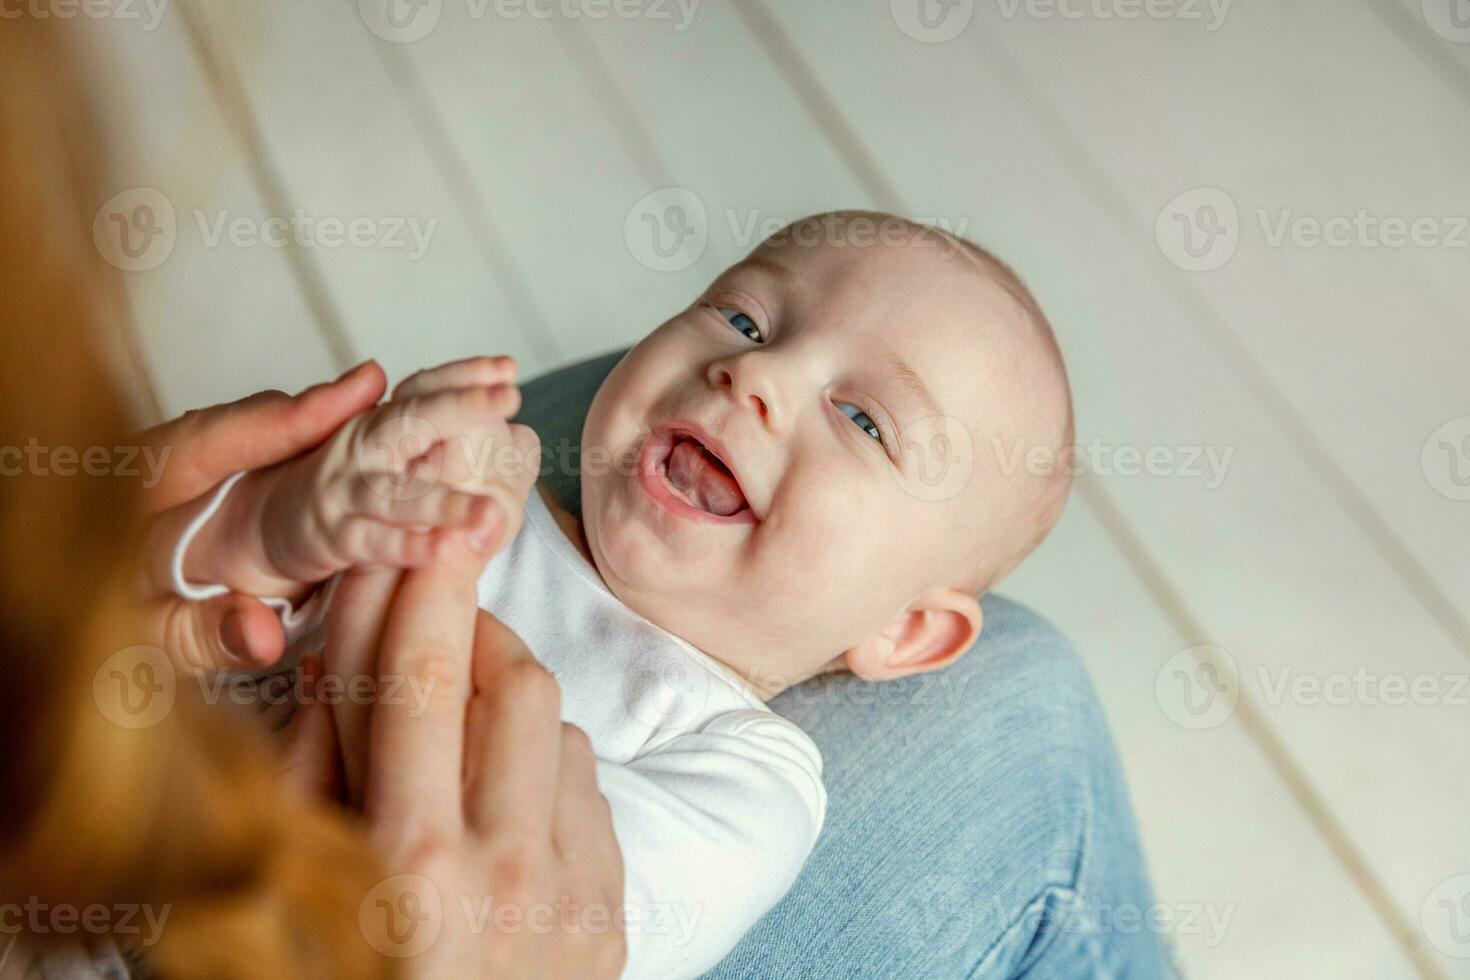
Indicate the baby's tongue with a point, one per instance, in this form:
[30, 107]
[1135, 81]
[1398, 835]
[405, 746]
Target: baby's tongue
[703, 479]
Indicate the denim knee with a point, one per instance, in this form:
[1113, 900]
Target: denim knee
[978, 825]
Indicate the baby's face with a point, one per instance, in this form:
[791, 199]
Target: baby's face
[788, 429]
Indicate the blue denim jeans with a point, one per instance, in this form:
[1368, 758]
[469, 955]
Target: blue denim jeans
[977, 826]
[977, 820]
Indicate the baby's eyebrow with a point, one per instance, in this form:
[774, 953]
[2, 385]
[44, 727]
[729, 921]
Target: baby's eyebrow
[893, 363]
[762, 265]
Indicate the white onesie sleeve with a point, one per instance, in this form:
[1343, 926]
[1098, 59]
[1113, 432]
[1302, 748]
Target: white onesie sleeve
[714, 826]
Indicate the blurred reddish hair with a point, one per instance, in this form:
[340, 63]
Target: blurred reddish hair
[186, 814]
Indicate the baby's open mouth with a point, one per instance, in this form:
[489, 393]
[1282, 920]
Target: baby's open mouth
[701, 477]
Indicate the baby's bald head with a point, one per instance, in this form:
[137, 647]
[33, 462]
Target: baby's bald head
[1024, 431]
[1046, 421]
[853, 413]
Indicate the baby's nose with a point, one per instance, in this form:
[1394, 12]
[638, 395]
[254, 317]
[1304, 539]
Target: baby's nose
[748, 386]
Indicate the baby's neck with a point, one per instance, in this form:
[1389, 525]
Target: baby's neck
[571, 526]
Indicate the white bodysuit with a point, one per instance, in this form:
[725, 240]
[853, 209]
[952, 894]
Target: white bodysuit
[716, 800]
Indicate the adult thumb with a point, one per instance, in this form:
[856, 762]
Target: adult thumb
[229, 632]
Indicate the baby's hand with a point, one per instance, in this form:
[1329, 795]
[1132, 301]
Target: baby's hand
[437, 472]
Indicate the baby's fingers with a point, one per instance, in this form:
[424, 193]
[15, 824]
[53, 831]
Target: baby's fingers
[463, 421]
[419, 505]
[472, 372]
[365, 541]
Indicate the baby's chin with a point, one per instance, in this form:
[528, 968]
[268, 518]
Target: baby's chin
[635, 556]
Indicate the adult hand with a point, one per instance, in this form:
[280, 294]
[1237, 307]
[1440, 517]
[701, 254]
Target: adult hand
[482, 804]
[203, 448]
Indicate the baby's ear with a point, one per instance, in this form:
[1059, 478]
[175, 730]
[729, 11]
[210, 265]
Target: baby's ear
[931, 632]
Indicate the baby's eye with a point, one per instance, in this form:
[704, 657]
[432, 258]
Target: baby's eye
[742, 323]
[863, 420]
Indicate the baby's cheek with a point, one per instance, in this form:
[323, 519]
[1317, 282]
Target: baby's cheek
[835, 539]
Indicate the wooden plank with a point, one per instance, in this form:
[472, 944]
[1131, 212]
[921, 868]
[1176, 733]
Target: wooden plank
[214, 322]
[1229, 851]
[519, 122]
[415, 287]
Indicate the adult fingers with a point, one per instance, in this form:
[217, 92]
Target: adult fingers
[309, 758]
[470, 372]
[416, 753]
[513, 736]
[355, 623]
[201, 448]
[582, 824]
[230, 632]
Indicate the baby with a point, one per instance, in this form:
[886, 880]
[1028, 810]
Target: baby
[816, 466]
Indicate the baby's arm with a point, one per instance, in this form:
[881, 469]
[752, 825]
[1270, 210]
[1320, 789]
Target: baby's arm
[398, 486]
[714, 827]
[363, 595]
